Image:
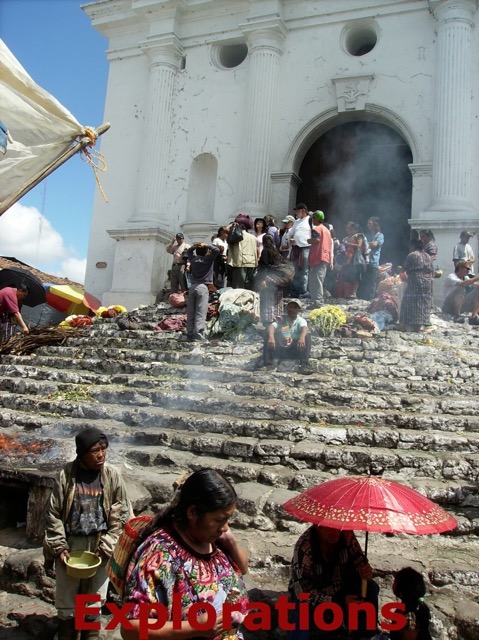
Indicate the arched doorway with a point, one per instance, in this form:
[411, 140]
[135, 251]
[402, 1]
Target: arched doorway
[357, 170]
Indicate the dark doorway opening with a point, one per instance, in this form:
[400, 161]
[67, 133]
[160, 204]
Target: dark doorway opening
[358, 170]
[13, 507]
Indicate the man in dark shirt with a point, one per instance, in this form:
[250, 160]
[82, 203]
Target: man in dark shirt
[201, 258]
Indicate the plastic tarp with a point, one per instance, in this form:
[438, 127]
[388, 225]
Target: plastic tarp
[42, 129]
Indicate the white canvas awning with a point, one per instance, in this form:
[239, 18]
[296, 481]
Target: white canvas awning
[45, 134]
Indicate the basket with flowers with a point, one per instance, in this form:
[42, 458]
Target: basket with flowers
[327, 319]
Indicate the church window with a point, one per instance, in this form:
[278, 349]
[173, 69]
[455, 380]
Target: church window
[360, 38]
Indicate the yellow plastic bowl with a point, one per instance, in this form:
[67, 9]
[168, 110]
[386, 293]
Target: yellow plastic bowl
[82, 564]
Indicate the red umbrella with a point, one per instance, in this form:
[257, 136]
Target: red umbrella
[369, 503]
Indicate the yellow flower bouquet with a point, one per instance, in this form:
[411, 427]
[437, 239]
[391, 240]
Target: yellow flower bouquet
[327, 319]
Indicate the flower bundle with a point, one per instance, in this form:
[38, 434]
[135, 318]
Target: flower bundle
[110, 312]
[327, 319]
[76, 321]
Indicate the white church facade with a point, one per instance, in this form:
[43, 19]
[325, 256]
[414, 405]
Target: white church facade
[220, 106]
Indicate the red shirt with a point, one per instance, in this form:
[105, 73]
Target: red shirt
[8, 300]
[320, 251]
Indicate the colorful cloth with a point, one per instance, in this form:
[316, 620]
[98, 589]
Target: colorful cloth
[416, 304]
[321, 579]
[164, 566]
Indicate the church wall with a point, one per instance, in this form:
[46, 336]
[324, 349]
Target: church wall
[122, 149]
[397, 84]
[208, 118]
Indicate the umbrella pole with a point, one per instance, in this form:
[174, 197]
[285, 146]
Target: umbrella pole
[364, 583]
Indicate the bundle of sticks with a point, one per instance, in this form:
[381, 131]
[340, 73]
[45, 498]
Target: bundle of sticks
[23, 343]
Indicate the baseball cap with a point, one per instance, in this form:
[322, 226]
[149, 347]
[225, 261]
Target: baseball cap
[467, 233]
[289, 219]
[319, 216]
[296, 302]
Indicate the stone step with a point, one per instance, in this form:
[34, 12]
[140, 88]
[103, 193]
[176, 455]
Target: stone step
[56, 382]
[396, 430]
[298, 403]
[306, 455]
[415, 360]
[325, 387]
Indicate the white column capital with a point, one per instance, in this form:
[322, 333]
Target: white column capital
[453, 10]
[265, 34]
[165, 50]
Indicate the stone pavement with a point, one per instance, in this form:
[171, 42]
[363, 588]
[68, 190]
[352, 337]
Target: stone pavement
[400, 405]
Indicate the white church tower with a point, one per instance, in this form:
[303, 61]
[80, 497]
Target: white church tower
[220, 106]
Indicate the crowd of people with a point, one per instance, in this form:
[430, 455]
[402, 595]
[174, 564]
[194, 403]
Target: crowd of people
[187, 560]
[305, 260]
[460, 289]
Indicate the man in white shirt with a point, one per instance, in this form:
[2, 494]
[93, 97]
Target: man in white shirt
[298, 239]
[463, 250]
[461, 294]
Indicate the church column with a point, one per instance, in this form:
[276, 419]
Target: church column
[453, 133]
[165, 55]
[265, 43]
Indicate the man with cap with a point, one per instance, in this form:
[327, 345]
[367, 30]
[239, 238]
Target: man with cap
[177, 248]
[87, 511]
[463, 250]
[320, 257]
[288, 339]
[285, 247]
[461, 294]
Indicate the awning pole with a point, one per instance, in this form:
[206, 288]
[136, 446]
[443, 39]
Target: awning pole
[80, 144]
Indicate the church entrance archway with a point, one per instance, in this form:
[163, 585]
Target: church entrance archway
[357, 170]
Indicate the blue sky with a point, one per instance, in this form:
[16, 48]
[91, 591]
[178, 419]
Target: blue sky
[56, 44]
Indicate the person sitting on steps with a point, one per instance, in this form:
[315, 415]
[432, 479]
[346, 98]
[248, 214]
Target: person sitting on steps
[461, 294]
[288, 338]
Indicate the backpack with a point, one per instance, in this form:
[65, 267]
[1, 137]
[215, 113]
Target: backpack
[126, 546]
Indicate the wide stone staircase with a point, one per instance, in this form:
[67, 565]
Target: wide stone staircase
[404, 406]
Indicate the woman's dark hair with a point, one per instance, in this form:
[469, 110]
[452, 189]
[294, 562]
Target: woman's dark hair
[260, 220]
[220, 231]
[428, 233]
[410, 586]
[270, 254]
[270, 221]
[415, 245]
[375, 220]
[206, 490]
[354, 226]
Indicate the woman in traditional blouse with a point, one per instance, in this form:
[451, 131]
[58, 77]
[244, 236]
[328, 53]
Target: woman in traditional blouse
[189, 554]
[328, 565]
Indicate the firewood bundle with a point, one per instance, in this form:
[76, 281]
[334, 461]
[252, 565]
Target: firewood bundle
[23, 343]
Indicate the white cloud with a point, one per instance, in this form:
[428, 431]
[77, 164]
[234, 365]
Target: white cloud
[74, 269]
[27, 235]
